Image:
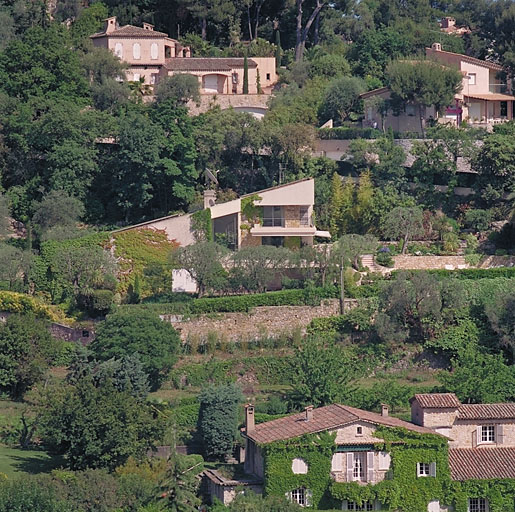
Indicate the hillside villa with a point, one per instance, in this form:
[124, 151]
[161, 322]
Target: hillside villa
[152, 55]
[483, 101]
[451, 456]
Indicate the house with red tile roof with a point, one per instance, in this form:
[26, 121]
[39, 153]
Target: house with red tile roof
[152, 55]
[447, 445]
[484, 100]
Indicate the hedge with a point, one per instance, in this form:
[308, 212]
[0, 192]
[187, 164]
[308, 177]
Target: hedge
[470, 273]
[242, 303]
[352, 132]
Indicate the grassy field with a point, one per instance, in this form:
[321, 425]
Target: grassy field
[14, 461]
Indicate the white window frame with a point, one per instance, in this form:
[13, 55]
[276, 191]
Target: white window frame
[426, 469]
[365, 506]
[136, 51]
[301, 496]
[472, 78]
[477, 505]
[487, 434]
[359, 467]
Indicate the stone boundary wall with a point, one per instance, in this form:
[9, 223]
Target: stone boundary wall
[258, 101]
[409, 262]
[262, 321]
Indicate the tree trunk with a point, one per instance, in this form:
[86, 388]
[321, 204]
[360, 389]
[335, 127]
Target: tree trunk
[342, 287]
[250, 23]
[259, 4]
[298, 39]
[316, 29]
[422, 121]
[405, 244]
[204, 29]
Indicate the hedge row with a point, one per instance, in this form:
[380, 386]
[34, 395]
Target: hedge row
[243, 303]
[471, 273]
[350, 132]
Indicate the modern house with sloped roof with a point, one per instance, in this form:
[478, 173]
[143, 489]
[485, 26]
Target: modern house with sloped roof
[152, 55]
[450, 457]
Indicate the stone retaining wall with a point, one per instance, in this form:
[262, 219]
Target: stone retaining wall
[408, 262]
[262, 321]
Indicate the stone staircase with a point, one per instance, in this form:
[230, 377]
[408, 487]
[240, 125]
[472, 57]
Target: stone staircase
[368, 260]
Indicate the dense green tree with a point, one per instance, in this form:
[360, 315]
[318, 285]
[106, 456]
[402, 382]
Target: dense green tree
[97, 427]
[26, 493]
[255, 267]
[15, 266]
[42, 64]
[423, 83]
[342, 99]
[4, 216]
[218, 419]
[501, 315]
[203, 261]
[404, 223]
[124, 333]
[179, 88]
[323, 372]
[25, 348]
[479, 377]
[57, 209]
[414, 305]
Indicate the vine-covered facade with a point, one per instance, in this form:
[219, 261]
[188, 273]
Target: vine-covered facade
[339, 457]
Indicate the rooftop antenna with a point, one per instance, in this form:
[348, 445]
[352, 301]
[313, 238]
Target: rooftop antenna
[210, 177]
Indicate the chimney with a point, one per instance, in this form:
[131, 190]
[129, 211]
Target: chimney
[309, 413]
[209, 198]
[250, 422]
[148, 26]
[110, 25]
[384, 410]
[437, 47]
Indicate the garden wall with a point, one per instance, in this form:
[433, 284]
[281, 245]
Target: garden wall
[271, 321]
[408, 262]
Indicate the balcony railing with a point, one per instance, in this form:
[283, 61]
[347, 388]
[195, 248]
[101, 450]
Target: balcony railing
[273, 222]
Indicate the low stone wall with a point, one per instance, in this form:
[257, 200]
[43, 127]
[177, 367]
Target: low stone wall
[407, 262]
[262, 321]
[237, 101]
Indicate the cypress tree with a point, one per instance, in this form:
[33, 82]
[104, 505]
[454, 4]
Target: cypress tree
[278, 49]
[245, 75]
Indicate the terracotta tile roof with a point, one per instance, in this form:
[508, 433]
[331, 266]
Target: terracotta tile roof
[206, 63]
[131, 31]
[493, 96]
[466, 58]
[481, 463]
[437, 400]
[324, 418]
[487, 411]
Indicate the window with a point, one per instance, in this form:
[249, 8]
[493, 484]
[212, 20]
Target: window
[504, 109]
[366, 505]
[488, 434]
[276, 241]
[478, 505]
[154, 51]
[118, 50]
[304, 216]
[302, 496]
[426, 469]
[136, 77]
[410, 110]
[359, 431]
[136, 51]
[472, 78]
[358, 471]
[299, 467]
[273, 216]
[268, 76]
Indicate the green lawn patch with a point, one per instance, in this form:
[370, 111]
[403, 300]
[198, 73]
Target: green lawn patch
[15, 461]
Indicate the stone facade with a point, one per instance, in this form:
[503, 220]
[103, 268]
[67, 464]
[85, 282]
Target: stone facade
[262, 321]
[407, 262]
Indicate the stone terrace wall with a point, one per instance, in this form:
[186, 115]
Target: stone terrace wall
[262, 321]
[259, 101]
[408, 262]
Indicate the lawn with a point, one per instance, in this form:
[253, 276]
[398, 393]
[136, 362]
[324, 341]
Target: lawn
[14, 461]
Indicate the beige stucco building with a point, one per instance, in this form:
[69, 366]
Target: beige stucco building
[484, 100]
[152, 55]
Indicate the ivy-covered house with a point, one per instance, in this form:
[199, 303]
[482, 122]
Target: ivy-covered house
[340, 457]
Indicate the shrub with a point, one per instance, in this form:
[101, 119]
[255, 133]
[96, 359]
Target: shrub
[478, 220]
[472, 259]
[451, 242]
[384, 257]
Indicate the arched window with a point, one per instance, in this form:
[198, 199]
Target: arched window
[118, 50]
[136, 51]
[154, 51]
[299, 467]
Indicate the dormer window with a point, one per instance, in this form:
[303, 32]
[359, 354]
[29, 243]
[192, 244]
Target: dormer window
[488, 433]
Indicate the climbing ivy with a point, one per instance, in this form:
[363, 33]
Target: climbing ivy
[202, 225]
[401, 491]
[252, 213]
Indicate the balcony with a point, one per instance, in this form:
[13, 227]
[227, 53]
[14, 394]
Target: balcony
[259, 230]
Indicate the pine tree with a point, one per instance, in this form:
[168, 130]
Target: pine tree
[278, 49]
[258, 83]
[245, 75]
